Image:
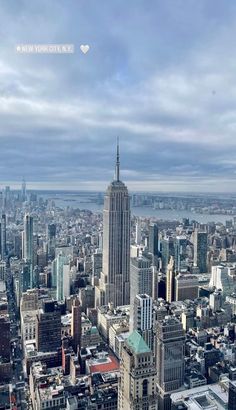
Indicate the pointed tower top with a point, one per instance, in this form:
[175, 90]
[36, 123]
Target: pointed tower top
[118, 161]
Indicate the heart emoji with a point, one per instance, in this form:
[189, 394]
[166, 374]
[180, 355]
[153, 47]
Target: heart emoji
[84, 48]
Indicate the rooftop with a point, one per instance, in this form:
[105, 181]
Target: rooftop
[137, 344]
[103, 364]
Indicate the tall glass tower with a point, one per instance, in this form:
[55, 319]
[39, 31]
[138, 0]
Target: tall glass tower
[114, 284]
[3, 237]
[200, 250]
[28, 245]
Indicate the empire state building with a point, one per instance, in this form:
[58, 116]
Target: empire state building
[114, 284]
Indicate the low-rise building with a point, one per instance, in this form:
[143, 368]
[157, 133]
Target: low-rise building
[108, 315]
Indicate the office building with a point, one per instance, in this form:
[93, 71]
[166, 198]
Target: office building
[87, 297]
[29, 300]
[25, 277]
[48, 328]
[54, 274]
[141, 280]
[153, 242]
[6, 198]
[137, 384]
[3, 271]
[28, 245]
[3, 237]
[186, 287]
[155, 282]
[200, 250]
[62, 276]
[5, 347]
[216, 300]
[180, 253]
[143, 318]
[51, 231]
[223, 277]
[167, 250]
[76, 324]
[170, 281]
[23, 191]
[97, 264]
[138, 236]
[188, 319]
[206, 397]
[51, 240]
[170, 345]
[114, 284]
[232, 395]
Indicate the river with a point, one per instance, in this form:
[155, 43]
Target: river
[75, 201]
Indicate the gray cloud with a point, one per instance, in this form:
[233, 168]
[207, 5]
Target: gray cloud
[160, 75]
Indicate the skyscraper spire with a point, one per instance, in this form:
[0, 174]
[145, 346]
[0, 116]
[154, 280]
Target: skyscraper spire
[114, 282]
[118, 161]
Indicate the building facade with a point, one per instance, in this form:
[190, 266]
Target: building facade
[186, 287]
[170, 346]
[48, 328]
[143, 318]
[3, 237]
[137, 389]
[153, 241]
[114, 284]
[141, 277]
[200, 250]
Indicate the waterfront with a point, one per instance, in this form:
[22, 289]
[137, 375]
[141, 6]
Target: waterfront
[85, 202]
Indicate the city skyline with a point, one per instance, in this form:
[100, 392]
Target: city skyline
[158, 83]
[118, 205]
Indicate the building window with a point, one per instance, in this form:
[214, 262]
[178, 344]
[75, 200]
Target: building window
[145, 387]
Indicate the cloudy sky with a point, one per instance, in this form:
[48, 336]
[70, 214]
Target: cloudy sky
[160, 74]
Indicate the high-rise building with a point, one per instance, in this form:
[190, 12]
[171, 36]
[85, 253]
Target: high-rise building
[25, 277]
[200, 250]
[28, 244]
[170, 281]
[6, 197]
[48, 328]
[97, 263]
[232, 395]
[222, 277]
[137, 389]
[3, 271]
[3, 237]
[180, 253]
[155, 282]
[5, 347]
[143, 318]
[138, 232]
[153, 241]
[62, 276]
[114, 284]
[216, 300]
[186, 287]
[167, 250]
[188, 319]
[51, 232]
[141, 273]
[23, 191]
[170, 345]
[76, 324]
[51, 240]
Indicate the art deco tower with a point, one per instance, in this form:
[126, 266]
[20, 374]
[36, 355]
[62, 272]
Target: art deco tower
[114, 285]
